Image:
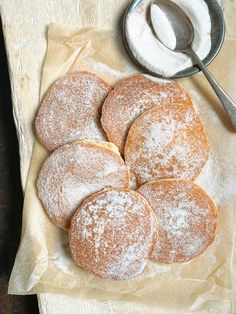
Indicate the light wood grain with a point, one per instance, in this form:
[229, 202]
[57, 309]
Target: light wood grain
[57, 304]
[24, 25]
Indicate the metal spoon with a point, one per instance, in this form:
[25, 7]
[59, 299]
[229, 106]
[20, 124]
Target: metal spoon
[184, 32]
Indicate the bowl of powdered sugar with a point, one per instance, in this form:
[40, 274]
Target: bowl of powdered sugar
[149, 53]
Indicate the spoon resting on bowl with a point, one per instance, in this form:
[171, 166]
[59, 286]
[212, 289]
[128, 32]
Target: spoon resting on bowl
[179, 38]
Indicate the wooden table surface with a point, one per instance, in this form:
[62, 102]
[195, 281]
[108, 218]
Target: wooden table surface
[24, 33]
[11, 197]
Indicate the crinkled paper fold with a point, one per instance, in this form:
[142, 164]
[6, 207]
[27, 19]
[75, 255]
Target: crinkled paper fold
[43, 262]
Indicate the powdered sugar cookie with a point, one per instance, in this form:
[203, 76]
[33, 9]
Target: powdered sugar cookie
[73, 172]
[133, 96]
[166, 142]
[71, 110]
[186, 218]
[113, 233]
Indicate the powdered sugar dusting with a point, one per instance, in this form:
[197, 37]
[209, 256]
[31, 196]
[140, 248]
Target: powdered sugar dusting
[133, 96]
[71, 110]
[112, 233]
[166, 142]
[186, 219]
[75, 171]
[147, 48]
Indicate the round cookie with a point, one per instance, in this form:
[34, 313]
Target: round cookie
[186, 217]
[75, 171]
[71, 110]
[166, 142]
[113, 233]
[133, 96]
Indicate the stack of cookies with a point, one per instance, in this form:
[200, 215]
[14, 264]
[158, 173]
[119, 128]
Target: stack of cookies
[120, 173]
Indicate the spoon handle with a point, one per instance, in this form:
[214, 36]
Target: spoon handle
[228, 104]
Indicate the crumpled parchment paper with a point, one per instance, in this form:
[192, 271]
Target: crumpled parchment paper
[43, 262]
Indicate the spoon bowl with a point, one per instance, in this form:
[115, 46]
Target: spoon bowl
[180, 23]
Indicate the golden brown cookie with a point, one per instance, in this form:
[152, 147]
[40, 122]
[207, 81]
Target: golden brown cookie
[75, 171]
[166, 142]
[71, 110]
[133, 96]
[186, 217]
[113, 233]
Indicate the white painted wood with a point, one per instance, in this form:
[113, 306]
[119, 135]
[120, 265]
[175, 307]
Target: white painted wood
[24, 25]
[62, 304]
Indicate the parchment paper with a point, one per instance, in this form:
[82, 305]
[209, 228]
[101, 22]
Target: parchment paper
[43, 262]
